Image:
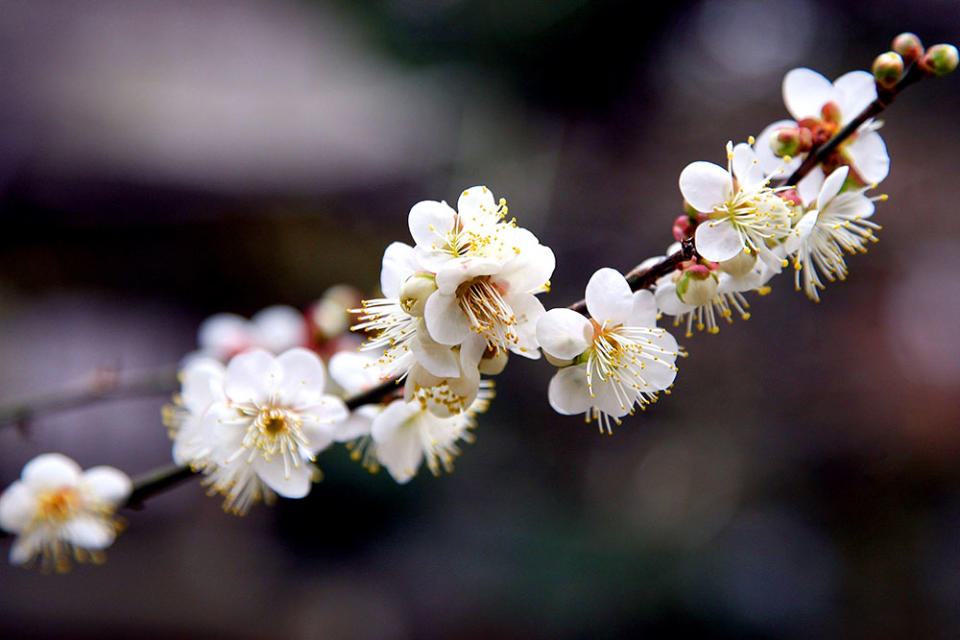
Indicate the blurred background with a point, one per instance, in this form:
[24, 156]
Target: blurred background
[163, 161]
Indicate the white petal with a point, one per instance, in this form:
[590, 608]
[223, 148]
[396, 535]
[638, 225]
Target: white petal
[718, 240]
[358, 424]
[471, 352]
[251, 377]
[88, 532]
[439, 359]
[107, 484]
[644, 312]
[851, 205]
[50, 471]
[303, 377]
[26, 547]
[528, 271]
[398, 440]
[477, 205]
[809, 187]
[870, 157]
[528, 310]
[354, 372]
[609, 297]
[568, 393]
[446, 322]
[659, 374]
[273, 474]
[667, 299]
[854, 93]
[202, 384]
[746, 166]
[456, 271]
[428, 219]
[831, 186]
[705, 185]
[279, 328]
[564, 333]
[17, 504]
[805, 91]
[399, 262]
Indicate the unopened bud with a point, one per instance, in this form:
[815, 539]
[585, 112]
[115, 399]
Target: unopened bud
[908, 45]
[493, 362]
[939, 60]
[785, 141]
[696, 286]
[681, 228]
[887, 69]
[740, 264]
[830, 112]
[415, 291]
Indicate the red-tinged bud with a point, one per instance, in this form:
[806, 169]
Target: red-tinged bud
[789, 141]
[939, 60]
[697, 286]
[790, 196]
[831, 112]
[909, 47]
[887, 69]
[681, 228]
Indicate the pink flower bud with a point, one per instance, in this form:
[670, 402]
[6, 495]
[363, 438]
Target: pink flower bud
[909, 47]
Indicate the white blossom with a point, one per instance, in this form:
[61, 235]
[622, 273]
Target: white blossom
[838, 223]
[272, 421]
[60, 512]
[487, 272]
[619, 358]
[744, 212]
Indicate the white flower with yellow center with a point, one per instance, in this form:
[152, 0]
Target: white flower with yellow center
[839, 223]
[619, 359]
[60, 512]
[487, 271]
[274, 421]
[744, 212]
[405, 434]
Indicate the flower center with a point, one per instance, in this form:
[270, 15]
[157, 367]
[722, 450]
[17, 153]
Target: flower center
[482, 302]
[275, 430]
[58, 505]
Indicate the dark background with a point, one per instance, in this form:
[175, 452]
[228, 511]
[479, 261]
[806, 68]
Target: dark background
[163, 161]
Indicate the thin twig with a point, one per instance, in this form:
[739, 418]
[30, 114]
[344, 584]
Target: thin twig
[94, 389]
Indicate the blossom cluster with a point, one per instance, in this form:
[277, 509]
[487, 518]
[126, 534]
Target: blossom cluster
[262, 398]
